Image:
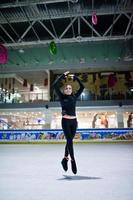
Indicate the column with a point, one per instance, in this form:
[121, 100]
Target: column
[48, 118]
[120, 119]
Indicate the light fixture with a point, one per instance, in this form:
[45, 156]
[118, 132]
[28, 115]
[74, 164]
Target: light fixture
[106, 59]
[82, 60]
[74, 1]
[107, 73]
[128, 52]
[21, 51]
[128, 58]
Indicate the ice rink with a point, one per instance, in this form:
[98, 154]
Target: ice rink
[34, 172]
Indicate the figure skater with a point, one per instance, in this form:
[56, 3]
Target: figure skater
[69, 121]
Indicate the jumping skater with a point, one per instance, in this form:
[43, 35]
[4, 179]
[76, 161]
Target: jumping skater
[69, 121]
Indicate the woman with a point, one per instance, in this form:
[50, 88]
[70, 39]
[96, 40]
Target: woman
[130, 121]
[69, 121]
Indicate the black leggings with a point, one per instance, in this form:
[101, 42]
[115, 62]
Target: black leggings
[69, 127]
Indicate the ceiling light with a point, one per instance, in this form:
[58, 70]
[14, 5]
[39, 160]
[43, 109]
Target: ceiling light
[37, 61]
[106, 59]
[107, 73]
[128, 52]
[74, 1]
[21, 51]
[128, 58]
[63, 61]
[79, 38]
[51, 62]
[82, 60]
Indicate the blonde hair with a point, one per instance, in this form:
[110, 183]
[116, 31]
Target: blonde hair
[64, 86]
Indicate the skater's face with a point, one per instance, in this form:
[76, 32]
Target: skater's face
[68, 90]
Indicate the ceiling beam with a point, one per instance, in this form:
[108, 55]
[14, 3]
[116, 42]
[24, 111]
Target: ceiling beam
[51, 22]
[9, 24]
[110, 27]
[66, 14]
[65, 40]
[7, 33]
[26, 31]
[67, 28]
[50, 33]
[90, 26]
[128, 26]
[31, 2]
[29, 21]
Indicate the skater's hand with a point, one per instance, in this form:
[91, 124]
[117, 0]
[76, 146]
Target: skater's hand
[66, 73]
[72, 76]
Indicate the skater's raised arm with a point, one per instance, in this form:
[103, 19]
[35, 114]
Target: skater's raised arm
[56, 83]
[80, 90]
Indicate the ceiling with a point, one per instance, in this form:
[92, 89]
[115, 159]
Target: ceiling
[35, 22]
[28, 27]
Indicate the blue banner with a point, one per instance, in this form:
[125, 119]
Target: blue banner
[83, 134]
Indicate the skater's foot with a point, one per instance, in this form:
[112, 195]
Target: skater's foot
[74, 167]
[64, 163]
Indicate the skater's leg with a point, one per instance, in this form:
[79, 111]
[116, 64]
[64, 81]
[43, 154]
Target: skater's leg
[66, 151]
[71, 151]
[66, 125]
[69, 128]
[64, 161]
[73, 132]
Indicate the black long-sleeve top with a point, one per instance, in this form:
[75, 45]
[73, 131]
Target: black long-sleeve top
[68, 102]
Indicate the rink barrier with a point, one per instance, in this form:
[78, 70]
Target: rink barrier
[57, 134]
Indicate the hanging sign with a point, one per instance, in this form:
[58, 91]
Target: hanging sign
[94, 18]
[53, 48]
[3, 54]
[45, 82]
